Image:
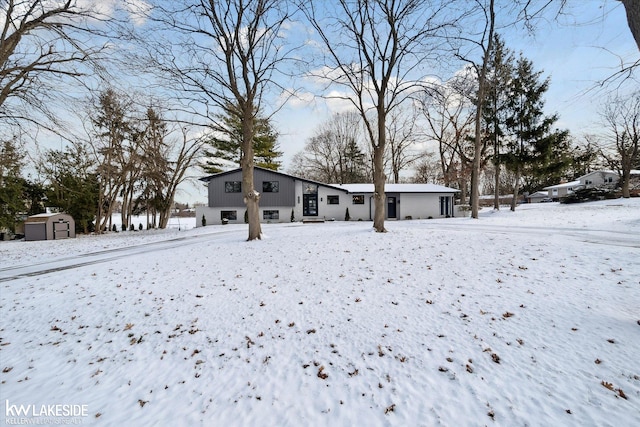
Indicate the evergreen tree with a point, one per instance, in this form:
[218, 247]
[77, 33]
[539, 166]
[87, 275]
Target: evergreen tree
[499, 75]
[224, 146]
[73, 184]
[354, 163]
[534, 151]
[12, 185]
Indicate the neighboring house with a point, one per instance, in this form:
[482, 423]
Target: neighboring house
[595, 179]
[555, 192]
[281, 194]
[537, 197]
[601, 178]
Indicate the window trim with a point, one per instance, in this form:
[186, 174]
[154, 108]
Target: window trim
[333, 199]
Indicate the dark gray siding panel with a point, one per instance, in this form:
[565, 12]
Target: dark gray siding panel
[217, 196]
[286, 185]
[284, 197]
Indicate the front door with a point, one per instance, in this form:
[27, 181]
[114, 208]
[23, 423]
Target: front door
[391, 207]
[310, 205]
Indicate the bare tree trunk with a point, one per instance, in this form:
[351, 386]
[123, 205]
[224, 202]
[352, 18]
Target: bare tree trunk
[496, 197]
[626, 176]
[482, 84]
[516, 190]
[633, 18]
[251, 196]
[379, 197]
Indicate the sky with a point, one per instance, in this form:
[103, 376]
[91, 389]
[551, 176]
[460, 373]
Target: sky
[578, 50]
[516, 318]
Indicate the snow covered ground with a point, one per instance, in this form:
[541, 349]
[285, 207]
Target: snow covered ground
[526, 318]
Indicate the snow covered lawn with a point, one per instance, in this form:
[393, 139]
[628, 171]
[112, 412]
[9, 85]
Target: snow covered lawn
[525, 318]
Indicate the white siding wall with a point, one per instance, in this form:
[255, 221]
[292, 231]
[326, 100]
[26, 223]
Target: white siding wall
[415, 205]
[597, 179]
[420, 206]
[213, 215]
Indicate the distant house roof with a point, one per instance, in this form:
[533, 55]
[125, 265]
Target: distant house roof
[539, 194]
[397, 188]
[565, 185]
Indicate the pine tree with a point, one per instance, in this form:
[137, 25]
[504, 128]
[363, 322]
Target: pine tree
[534, 151]
[499, 75]
[73, 184]
[12, 185]
[224, 146]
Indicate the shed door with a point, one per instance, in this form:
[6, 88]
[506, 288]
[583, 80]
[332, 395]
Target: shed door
[35, 231]
[61, 230]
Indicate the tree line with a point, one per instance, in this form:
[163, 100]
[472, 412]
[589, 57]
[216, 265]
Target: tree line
[225, 68]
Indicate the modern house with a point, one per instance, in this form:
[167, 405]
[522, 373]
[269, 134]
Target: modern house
[284, 196]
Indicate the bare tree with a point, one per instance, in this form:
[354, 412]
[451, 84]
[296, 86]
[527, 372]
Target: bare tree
[449, 113]
[428, 169]
[333, 153]
[622, 121]
[112, 141]
[402, 137]
[43, 44]
[223, 56]
[374, 49]
[484, 42]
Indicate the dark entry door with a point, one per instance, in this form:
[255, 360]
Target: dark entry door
[310, 204]
[391, 207]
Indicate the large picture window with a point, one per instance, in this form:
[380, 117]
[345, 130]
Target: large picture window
[229, 215]
[271, 214]
[358, 199]
[333, 200]
[270, 186]
[233, 186]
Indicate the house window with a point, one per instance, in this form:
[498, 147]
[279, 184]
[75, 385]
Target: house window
[358, 199]
[270, 186]
[233, 186]
[229, 215]
[588, 182]
[270, 214]
[555, 192]
[333, 200]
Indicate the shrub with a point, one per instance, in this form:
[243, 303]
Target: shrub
[293, 216]
[588, 195]
[114, 228]
[124, 227]
[140, 226]
[347, 217]
[132, 228]
[204, 221]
